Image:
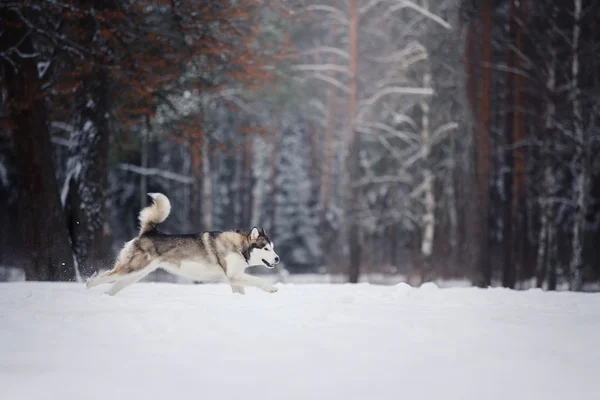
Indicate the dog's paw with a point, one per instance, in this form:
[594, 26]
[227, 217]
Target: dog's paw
[89, 282]
[271, 289]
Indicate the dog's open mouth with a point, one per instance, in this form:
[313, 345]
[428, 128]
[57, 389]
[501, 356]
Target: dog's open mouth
[269, 265]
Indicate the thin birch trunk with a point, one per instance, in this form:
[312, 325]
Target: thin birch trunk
[352, 162]
[144, 164]
[542, 253]
[207, 190]
[429, 217]
[576, 267]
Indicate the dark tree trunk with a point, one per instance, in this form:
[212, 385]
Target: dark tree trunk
[508, 270]
[47, 252]
[510, 114]
[352, 162]
[88, 161]
[482, 140]
[393, 235]
[87, 172]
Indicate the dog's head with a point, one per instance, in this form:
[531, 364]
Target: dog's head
[260, 249]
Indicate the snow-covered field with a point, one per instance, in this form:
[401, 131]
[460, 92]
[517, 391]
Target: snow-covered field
[168, 341]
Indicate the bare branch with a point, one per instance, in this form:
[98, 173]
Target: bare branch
[157, 172]
[327, 49]
[438, 134]
[332, 81]
[389, 91]
[419, 9]
[322, 67]
[378, 180]
[335, 12]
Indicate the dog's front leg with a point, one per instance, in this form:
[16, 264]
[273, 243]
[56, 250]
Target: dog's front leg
[243, 279]
[238, 289]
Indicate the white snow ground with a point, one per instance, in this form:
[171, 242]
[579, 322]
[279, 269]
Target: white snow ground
[169, 341]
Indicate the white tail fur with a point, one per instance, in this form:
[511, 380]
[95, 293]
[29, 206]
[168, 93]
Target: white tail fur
[153, 215]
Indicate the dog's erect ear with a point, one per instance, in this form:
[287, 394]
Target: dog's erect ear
[254, 233]
[262, 232]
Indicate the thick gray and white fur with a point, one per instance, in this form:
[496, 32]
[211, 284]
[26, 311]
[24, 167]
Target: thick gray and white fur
[205, 256]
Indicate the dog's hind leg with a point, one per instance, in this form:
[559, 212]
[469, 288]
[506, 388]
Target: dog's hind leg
[105, 277]
[129, 279]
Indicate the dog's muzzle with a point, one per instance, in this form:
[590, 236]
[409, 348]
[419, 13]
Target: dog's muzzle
[267, 264]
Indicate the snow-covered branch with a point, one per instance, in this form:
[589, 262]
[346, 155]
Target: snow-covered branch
[408, 137]
[378, 180]
[335, 12]
[328, 50]
[389, 91]
[62, 142]
[409, 4]
[157, 172]
[440, 131]
[331, 80]
[322, 67]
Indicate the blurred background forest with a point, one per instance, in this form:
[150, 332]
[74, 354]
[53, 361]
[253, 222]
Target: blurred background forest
[377, 140]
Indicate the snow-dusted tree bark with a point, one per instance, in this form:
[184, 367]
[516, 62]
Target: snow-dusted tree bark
[451, 197]
[84, 190]
[428, 176]
[41, 219]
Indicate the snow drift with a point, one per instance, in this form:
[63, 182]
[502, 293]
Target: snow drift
[166, 341]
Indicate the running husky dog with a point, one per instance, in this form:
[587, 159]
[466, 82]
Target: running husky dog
[202, 256]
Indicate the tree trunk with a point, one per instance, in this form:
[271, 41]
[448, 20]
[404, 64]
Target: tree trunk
[472, 215]
[47, 252]
[451, 196]
[247, 181]
[483, 149]
[543, 254]
[508, 269]
[580, 187]
[144, 164]
[519, 238]
[87, 177]
[327, 159]
[207, 192]
[273, 175]
[352, 161]
[544, 237]
[541, 262]
[393, 240]
[552, 259]
[429, 216]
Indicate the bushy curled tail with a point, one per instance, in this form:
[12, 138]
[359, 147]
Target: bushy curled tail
[153, 215]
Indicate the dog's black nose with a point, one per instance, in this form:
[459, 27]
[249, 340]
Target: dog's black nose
[276, 260]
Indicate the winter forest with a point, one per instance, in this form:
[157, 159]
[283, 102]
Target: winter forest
[407, 140]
